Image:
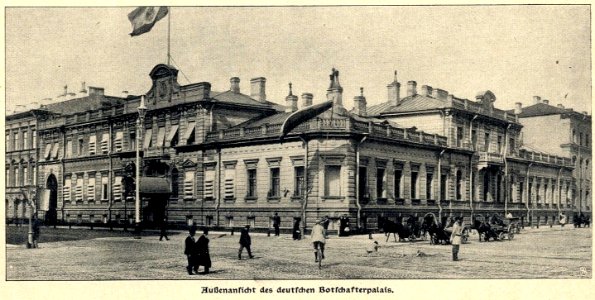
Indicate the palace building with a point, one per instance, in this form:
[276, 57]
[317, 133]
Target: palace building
[227, 159]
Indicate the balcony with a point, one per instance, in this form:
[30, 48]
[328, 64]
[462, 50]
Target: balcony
[488, 158]
[431, 202]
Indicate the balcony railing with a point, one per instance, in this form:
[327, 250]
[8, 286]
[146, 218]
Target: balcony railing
[333, 125]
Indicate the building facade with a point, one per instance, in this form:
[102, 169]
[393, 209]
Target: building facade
[228, 159]
[571, 139]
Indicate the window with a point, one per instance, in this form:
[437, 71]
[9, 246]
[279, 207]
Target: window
[580, 141]
[172, 136]
[78, 190]
[443, 182]
[298, 190]
[251, 183]
[521, 191]
[511, 145]
[228, 190]
[105, 143]
[459, 185]
[25, 176]
[332, 181]
[160, 137]
[587, 139]
[474, 139]
[398, 179]
[104, 187]
[34, 138]
[460, 136]
[486, 142]
[92, 145]
[91, 188]
[117, 188]
[26, 140]
[175, 178]
[17, 145]
[499, 144]
[363, 183]
[119, 141]
[132, 141]
[81, 143]
[538, 193]
[189, 184]
[17, 175]
[8, 177]
[429, 184]
[380, 183]
[68, 149]
[34, 175]
[275, 187]
[209, 182]
[530, 193]
[413, 191]
[9, 146]
[66, 189]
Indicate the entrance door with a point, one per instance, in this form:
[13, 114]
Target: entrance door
[51, 215]
[154, 210]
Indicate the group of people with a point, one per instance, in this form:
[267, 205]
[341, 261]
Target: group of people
[197, 251]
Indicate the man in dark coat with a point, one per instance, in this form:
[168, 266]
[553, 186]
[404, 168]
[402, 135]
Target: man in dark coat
[163, 231]
[245, 242]
[276, 223]
[190, 251]
[202, 249]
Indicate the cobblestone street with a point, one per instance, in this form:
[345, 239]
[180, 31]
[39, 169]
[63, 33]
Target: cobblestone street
[535, 253]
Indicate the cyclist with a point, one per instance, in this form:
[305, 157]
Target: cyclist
[318, 239]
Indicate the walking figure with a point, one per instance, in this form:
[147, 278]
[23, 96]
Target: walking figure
[276, 223]
[455, 237]
[245, 242]
[202, 249]
[163, 233]
[191, 251]
[35, 226]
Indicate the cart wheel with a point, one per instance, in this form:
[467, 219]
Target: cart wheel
[501, 236]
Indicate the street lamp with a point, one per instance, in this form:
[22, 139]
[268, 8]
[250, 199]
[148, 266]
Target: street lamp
[142, 110]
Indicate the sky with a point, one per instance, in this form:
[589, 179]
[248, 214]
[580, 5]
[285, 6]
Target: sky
[516, 52]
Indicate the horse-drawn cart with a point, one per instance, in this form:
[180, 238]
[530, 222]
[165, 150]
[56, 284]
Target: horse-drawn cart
[494, 227]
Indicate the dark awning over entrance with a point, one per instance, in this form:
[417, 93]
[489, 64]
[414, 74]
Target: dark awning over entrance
[155, 185]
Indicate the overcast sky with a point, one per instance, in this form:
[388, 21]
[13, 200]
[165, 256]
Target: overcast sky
[514, 51]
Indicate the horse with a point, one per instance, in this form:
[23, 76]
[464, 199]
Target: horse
[436, 231]
[397, 228]
[484, 230]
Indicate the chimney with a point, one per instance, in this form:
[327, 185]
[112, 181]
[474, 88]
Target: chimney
[536, 99]
[335, 91]
[124, 94]
[545, 101]
[426, 90]
[440, 94]
[359, 103]
[234, 85]
[257, 89]
[560, 106]
[65, 91]
[394, 91]
[83, 88]
[96, 91]
[518, 108]
[411, 88]
[307, 99]
[291, 101]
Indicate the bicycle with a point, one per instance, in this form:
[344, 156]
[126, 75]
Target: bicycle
[319, 256]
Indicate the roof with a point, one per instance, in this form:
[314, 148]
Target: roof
[542, 109]
[91, 102]
[410, 103]
[239, 98]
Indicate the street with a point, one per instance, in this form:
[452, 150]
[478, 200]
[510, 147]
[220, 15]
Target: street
[535, 253]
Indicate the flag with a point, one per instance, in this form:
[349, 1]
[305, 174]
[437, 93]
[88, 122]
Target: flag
[144, 18]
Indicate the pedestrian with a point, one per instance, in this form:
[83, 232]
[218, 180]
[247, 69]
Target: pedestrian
[325, 222]
[190, 251]
[35, 226]
[455, 237]
[202, 249]
[163, 233]
[276, 223]
[297, 234]
[245, 242]
[318, 237]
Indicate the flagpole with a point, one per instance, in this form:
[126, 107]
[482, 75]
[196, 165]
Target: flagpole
[168, 34]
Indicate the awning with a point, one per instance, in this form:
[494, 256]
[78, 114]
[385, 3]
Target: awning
[172, 133]
[48, 151]
[155, 185]
[189, 131]
[55, 151]
[160, 137]
[147, 141]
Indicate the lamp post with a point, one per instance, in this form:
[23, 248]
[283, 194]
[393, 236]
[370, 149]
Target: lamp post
[142, 109]
[30, 195]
